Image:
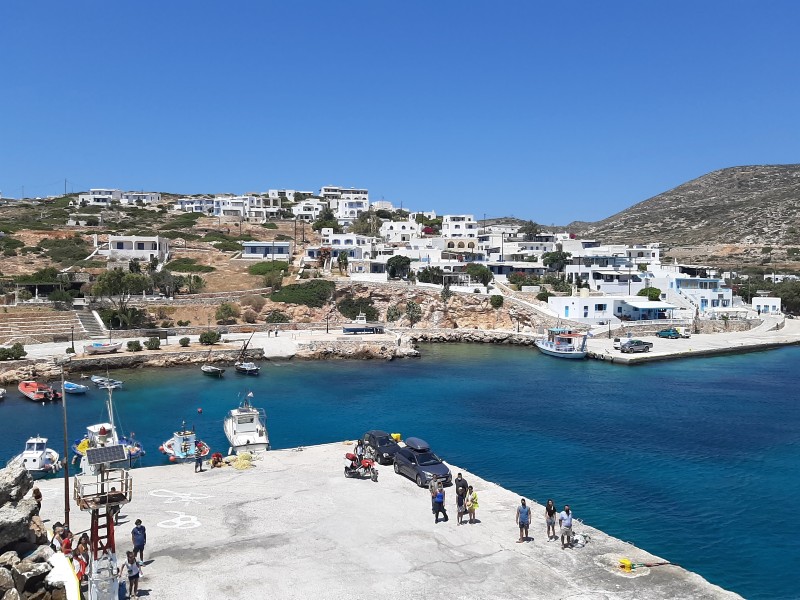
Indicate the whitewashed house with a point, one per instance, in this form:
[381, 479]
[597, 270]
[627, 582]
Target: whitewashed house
[275, 250]
[199, 205]
[140, 198]
[100, 197]
[459, 226]
[309, 210]
[346, 203]
[766, 305]
[400, 231]
[143, 248]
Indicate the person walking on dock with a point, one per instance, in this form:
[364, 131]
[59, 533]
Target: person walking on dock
[550, 518]
[139, 539]
[523, 520]
[438, 503]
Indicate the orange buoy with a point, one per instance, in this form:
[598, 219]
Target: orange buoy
[161, 448]
[171, 459]
[199, 411]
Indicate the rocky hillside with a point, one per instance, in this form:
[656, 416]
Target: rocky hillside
[742, 206]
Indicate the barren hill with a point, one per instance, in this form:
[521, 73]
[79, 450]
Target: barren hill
[750, 206]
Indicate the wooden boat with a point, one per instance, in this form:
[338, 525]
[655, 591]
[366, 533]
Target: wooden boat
[246, 428]
[38, 392]
[563, 343]
[105, 434]
[38, 459]
[102, 348]
[75, 388]
[183, 445]
[211, 370]
[243, 366]
[105, 383]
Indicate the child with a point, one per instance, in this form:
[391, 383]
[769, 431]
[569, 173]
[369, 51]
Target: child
[134, 571]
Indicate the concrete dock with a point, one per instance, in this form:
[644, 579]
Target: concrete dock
[294, 527]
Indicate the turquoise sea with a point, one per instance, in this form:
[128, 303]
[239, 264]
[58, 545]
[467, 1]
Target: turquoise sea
[696, 461]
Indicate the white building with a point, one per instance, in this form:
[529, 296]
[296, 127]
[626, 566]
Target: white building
[275, 250]
[141, 198]
[766, 305]
[309, 210]
[356, 246]
[346, 203]
[400, 231]
[382, 205]
[129, 247]
[600, 309]
[250, 208]
[100, 197]
[459, 226]
[200, 205]
[286, 195]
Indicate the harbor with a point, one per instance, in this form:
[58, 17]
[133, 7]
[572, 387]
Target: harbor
[293, 527]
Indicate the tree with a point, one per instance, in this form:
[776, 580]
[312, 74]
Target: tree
[530, 230]
[555, 261]
[413, 312]
[651, 293]
[195, 283]
[342, 262]
[118, 287]
[398, 266]
[227, 312]
[63, 300]
[479, 273]
[134, 266]
[326, 219]
[431, 275]
[446, 294]
[367, 223]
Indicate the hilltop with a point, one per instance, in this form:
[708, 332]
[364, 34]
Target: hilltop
[739, 214]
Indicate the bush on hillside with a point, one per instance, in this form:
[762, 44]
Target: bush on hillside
[351, 307]
[188, 265]
[250, 316]
[254, 302]
[393, 313]
[269, 225]
[227, 312]
[262, 268]
[153, 343]
[16, 352]
[184, 342]
[543, 295]
[277, 316]
[134, 346]
[208, 338]
[314, 293]
[496, 301]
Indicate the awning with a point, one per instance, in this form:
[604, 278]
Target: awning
[644, 304]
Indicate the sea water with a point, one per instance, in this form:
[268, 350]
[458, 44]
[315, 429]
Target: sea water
[693, 460]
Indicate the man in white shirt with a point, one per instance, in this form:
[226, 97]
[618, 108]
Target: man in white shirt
[565, 524]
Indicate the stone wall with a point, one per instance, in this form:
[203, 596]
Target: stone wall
[356, 349]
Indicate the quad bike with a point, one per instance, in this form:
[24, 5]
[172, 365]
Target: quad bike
[366, 468]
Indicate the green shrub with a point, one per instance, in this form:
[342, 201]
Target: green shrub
[543, 295]
[273, 280]
[208, 338]
[651, 293]
[351, 307]
[255, 302]
[16, 352]
[766, 249]
[183, 323]
[277, 316]
[188, 265]
[165, 324]
[496, 301]
[228, 246]
[134, 346]
[393, 313]
[63, 300]
[68, 250]
[69, 350]
[262, 268]
[153, 343]
[314, 293]
[227, 312]
[250, 316]
[184, 342]
[269, 225]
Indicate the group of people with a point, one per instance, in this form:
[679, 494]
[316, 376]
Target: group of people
[63, 541]
[523, 516]
[466, 500]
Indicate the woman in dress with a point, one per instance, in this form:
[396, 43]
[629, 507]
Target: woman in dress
[550, 518]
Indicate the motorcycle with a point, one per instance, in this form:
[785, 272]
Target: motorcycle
[366, 468]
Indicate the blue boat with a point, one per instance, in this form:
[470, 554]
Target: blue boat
[75, 388]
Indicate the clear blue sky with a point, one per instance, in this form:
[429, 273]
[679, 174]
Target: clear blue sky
[552, 111]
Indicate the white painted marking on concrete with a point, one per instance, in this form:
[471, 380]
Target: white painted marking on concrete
[174, 497]
[182, 521]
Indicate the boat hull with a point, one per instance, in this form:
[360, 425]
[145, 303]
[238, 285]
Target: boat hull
[247, 369]
[177, 455]
[212, 371]
[569, 354]
[101, 348]
[75, 388]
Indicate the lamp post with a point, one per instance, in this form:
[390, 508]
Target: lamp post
[61, 362]
[72, 336]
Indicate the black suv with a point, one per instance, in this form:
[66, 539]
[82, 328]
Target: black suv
[384, 446]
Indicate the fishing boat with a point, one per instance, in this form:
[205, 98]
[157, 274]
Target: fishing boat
[360, 325]
[75, 388]
[102, 348]
[105, 383]
[211, 370]
[246, 428]
[38, 459]
[243, 366]
[38, 392]
[183, 445]
[563, 343]
[105, 434]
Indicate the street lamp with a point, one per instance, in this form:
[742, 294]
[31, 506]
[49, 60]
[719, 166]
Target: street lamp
[72, 332]
[60, 362]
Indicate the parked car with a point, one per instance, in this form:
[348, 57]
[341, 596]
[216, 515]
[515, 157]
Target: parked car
[382, 444]
[636, 346]
[670, 333]
[685, 332]
[617, 343]
[420, 464]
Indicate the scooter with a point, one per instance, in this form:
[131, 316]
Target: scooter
[366, 468]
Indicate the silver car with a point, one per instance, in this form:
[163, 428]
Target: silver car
[420, 464]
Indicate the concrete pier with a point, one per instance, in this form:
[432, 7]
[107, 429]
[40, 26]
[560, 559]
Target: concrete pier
[294, 527]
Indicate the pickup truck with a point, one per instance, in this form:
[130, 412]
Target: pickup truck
[635, 346]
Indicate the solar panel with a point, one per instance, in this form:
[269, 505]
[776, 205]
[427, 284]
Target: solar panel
[106, 454]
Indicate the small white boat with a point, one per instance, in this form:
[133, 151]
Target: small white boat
[183, 445]
[101, 348]
[360, 325]
[75, 388]
[2, 393]
[38, 459]
[563, 343]
[106, 383]
[246, 428]
[244, 366]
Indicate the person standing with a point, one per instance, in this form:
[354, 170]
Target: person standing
[359, 451]
[139, 539]
[198, 459]
[550, 518]
[523, 520]
[460, 483]
[37, 495]
[472, 504]
[461, 504]
[134, 571]
[565, 524]
[433, 489]
[438, 504]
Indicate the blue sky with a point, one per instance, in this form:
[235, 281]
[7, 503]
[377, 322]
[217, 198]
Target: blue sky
[552, 111]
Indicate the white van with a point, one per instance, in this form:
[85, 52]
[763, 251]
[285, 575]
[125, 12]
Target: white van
[684, 332]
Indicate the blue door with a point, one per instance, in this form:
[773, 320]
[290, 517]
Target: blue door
[566, 311]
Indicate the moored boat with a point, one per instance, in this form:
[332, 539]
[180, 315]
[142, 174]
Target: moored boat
[2, 393]
[183, 445]
[243, 366]
[105, 383]
[246, 428]
[38, 392]
[212, 370]
[38, 459]
[563, 343]
[102, 348]
[75, 388]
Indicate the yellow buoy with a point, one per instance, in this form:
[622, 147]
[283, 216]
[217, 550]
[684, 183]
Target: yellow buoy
[625, 565]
